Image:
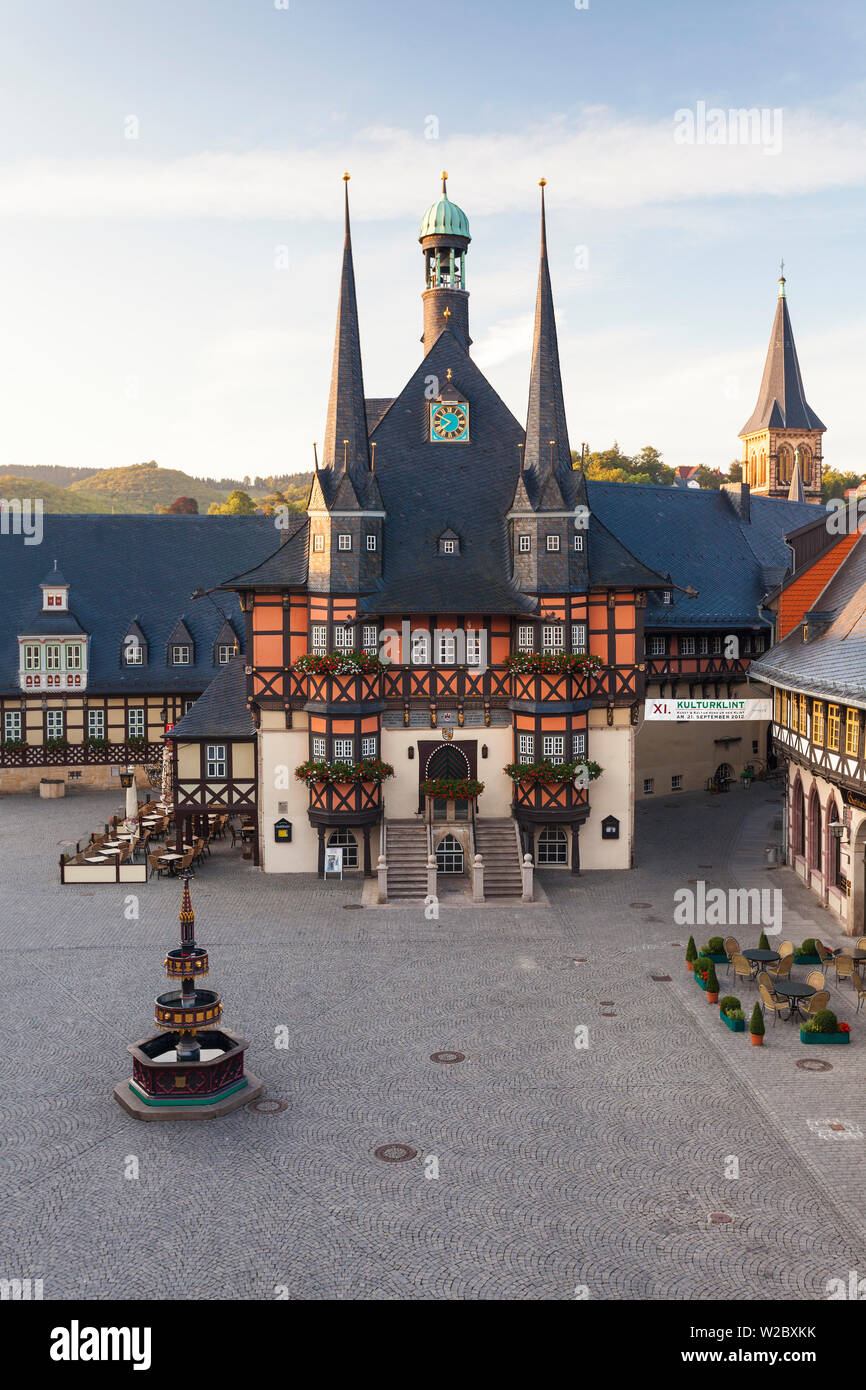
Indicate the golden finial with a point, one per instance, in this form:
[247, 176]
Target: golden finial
[444, 177]
[446, 312]
[448, 374]
[346, 178]
[373, 456]
[345, 454]
[315, 456]
[542, 183]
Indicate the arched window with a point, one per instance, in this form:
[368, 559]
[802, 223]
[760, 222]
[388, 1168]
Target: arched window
[753, 475]
[553, 845]
[798, 819]
[834, 847]
[724, 773]
[806, 464]
[815, 830]
[449, 855]
[785, 464]
[345, 840]
[762, 475]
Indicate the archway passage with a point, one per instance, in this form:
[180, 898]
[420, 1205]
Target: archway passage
[448, 761]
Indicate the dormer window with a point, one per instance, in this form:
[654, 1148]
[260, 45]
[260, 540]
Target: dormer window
[55, 598]
[181, 654]
[133, 654]
[344, 541]
[524, 544]
[449, 543]
[667, 596]
[224, 654]
[553, 542]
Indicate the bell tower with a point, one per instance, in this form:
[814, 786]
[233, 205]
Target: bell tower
[782, 449]
[445, 239]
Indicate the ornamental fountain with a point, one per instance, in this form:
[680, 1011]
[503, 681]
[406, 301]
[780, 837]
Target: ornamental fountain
[194, 1068]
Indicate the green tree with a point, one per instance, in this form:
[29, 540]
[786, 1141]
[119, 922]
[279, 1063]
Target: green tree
[238, 503]
[735, 471]
[836, 484]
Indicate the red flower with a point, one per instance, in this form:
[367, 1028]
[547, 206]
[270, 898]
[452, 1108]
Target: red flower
[844, 1028]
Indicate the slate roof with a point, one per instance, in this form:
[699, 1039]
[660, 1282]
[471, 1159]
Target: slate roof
[221, 711]
[427, 488]
[54, 579]
[699, 539]
[347, 415]
[121, 568]
[782, 399]
[285, 567]
[834, 662]
[545, 415]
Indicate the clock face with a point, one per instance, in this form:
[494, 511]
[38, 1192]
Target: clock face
[449, 423]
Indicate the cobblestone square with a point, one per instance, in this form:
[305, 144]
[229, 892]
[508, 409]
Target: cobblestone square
[542, 1170]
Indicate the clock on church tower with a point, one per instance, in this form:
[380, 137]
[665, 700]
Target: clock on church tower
[449, 416]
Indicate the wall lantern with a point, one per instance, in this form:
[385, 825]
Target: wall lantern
[163, 715]
[126, 779]
[610, 828]
[411, 751]
[282, 831]
[484, 750]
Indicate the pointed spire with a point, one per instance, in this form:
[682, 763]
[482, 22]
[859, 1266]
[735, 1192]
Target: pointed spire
[186, 914]
[347, 416]
[796, 491]
[782, 400]
[545, 416]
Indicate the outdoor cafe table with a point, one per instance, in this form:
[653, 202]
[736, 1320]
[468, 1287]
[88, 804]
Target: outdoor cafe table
[794, 990]
[757, 957]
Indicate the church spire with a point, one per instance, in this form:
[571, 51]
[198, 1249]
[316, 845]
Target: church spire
[346, 441]
[782, 399]
[546, 430]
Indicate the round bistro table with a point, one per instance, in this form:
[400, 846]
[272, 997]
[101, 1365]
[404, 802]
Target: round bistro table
[794, 990]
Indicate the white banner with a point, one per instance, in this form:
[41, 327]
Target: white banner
[721, 711]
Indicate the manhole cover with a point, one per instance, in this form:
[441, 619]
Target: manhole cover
[720, 1218]
[268, 1106]
[447, 1057]
[814, 1064]
[640, 904]
[353, 907]
[660, 979]
[395, 1153]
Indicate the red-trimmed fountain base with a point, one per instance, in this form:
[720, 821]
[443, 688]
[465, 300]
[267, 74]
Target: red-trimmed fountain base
[162, 1088]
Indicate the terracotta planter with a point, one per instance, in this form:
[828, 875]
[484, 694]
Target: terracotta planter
[756, 1039]
[690, 965]
[712, 998]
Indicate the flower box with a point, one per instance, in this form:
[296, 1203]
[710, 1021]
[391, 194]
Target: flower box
[718, 957]
[701, 982]
[824, 1037]
[736, 1025]
[806, 960]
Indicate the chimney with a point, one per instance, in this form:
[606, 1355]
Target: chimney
[738, 496]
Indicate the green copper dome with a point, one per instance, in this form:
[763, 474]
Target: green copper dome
[444, 217]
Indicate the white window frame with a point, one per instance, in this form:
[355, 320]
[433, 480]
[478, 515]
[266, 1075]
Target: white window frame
[648, 786]
[420, 642]
[446, 654]
[344, 540]
[578, 746]
[371, 541]
[526, 747]
[449, 547]
[553, 638]
[524, 544]
[553, 748]
[224, 654]
[676, 782]
[74, 656]
[96, 723]
[667, 597]
[319, 639]
[658, 646]
[13, 724]
[578, 638]
[216, 760]
[53, 660]
[688, 646]
[370, 638]
[717, 644]
[320, 748]
[55, 723]
[703, 645]
[525, 638]
[180, 660]
[133, 651]
[136, 722]
[344, 638]
[473, 647]
[32, 656]
[318, 543]
[369, 743]
[552, 543]
[578, 541]
[344, 750]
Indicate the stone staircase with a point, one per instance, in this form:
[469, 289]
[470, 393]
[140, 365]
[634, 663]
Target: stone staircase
[407, 859]
[496, 842]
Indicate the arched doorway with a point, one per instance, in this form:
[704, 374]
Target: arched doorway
[834, 847]
[448, 761]
[724, 774]
[449, 855]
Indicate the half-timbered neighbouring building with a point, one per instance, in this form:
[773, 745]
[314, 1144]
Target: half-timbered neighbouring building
[102, 642]
[818, 676]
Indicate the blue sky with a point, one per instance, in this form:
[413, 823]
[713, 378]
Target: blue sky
[172, 296]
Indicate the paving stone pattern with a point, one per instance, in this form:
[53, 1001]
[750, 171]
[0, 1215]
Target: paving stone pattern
[559, 1167]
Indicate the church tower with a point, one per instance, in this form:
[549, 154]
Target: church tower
[444, 241]
[782, 454]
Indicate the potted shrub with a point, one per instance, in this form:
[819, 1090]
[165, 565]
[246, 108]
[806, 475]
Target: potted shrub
[825, 1028]
[691, 954]
[756, 1027]
[731, 1013]
[701, 969]
[715, 950]
[807, 955]
[763, 943]
[712, 985]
